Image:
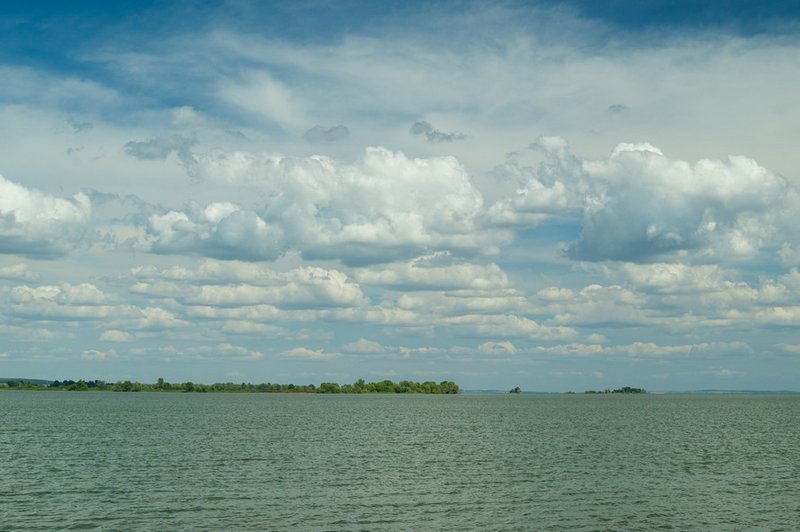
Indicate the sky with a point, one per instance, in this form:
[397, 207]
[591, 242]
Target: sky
[552, 195]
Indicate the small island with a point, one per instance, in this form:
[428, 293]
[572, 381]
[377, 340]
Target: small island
[624, 389]
[359, 386]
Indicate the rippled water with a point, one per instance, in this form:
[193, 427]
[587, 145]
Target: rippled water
[278, 462]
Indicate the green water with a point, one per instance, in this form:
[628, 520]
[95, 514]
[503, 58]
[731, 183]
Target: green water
[468, 462]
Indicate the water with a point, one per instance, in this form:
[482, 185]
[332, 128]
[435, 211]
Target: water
[151, 461]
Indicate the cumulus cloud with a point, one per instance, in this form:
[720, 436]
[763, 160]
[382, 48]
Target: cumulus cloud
[304, 287]
[596, 305]
[221, 230]
[362, 345]
[639, 350]
[81, 294]
[555, 187]
[498, 348]
[638, 205]
[506, 325]
[675, 278]
[94, 354]
[156, 319]
[37, 225]
[326, 134]
[647, 206]
[304, 353]
[434, 135]
[116, 336]
[439, 271]
[384, 207]
[17, 272]
[301, 288]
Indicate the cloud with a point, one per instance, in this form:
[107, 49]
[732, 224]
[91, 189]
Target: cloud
[94, 354]
[326, 134]
[223, 350]
[640, 206]
[505, 325]
[556, 187]
[644, 206]
[596, 305]
[641, 350]
[37, 225]
[439, 271]
[17, 272]
[498, 348]
[221, 230]
[362, 346]
[726, 373]
[79, 127]
[156, 319]
[304, 353]
[81, 294]
[304, 287]
[261, 94]
[676, 278]
[159, 148]
[434, 135]
[116, 336]
[793, 349]
[384, 207]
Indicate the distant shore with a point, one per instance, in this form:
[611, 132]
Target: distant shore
[358, 387]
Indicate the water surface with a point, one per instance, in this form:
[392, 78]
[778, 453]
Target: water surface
[172, 461]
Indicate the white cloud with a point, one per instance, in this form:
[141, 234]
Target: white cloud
[675, 278]
[793, 349]
[38, 225]
[94, 354]
[305, 287]
[599, 305]
[116, 336]
[17, 272]
[157, 319]
[434, 272]
[644, 205]
[383, 207]
[461, 301]
[363, 345]
[266, 96]
[495, 348]
[640, 350]
[80, 294]
[307, 354]
[505, 325]
[221, 230]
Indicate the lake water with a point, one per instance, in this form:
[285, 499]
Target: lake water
[153, 461]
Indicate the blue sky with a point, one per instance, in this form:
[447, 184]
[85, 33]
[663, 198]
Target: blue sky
[553, 195]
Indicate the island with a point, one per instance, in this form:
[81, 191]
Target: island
[360, 386]
[624, 389]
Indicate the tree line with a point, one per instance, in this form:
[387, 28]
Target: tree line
[624, 389]
[359, 386]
